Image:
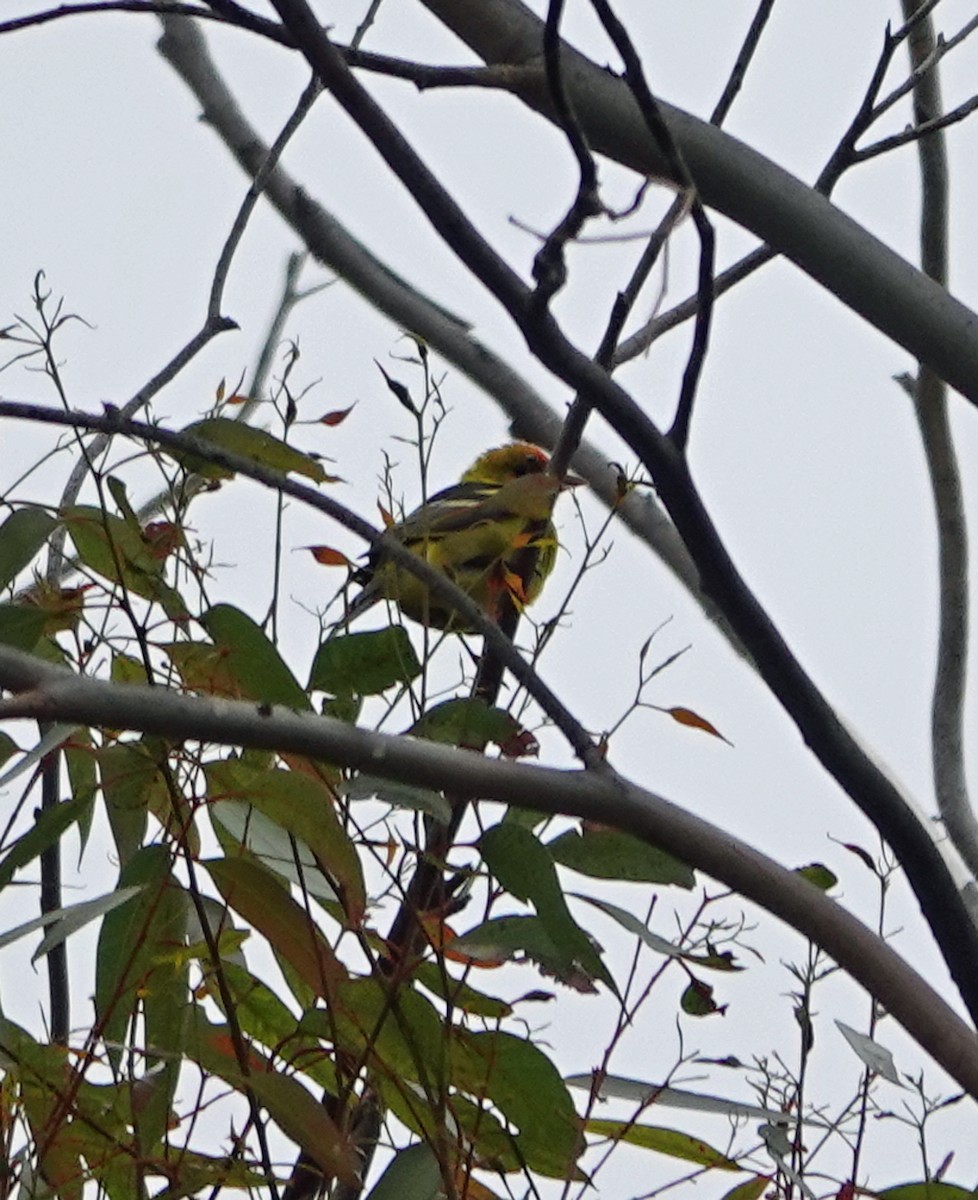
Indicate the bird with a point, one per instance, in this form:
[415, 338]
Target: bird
[491, 534]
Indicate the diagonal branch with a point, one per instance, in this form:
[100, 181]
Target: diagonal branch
[836, 748]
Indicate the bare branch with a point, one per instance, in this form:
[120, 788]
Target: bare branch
[931, 403]
[739, 72]
[835, 747]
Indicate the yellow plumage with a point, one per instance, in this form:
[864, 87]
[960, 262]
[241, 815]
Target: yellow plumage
[491, 533]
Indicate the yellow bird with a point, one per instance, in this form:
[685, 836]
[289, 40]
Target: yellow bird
[491, 533]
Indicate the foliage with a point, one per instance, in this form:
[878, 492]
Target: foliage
[293, 956]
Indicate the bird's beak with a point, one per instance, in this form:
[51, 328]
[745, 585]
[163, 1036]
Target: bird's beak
[571, 481]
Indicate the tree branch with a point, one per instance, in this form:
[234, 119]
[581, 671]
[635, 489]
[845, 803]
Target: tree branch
[53, 693]
[836, 748]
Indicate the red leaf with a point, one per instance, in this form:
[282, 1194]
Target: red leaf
[326, 556]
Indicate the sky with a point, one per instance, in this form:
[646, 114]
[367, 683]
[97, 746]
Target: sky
[804, 448]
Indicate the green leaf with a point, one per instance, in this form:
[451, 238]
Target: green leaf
[22, 535]
[459, 994]
[697, 999]
[501, 939]
[109, 546]
[80, 762]
[48, 828]
[254, 444]
[664, 1141]
[819, 874]
[413, 1172]
[117, 490]
[715, 960]
[926, 1190]
[252, 659]
[264, 903]
[302, 1118]
[608, 854]
[525, 1086]
[750, 1189]
[132, 785]
[21, 626]
[398, 795]
[364, 664]
[8, 747]
[523, 866]
[467, 722]
[137, 938]
[70, 919]
[304, 808]
[262, 1015]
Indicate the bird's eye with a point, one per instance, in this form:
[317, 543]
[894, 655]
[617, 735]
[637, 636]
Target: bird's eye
[531, 465]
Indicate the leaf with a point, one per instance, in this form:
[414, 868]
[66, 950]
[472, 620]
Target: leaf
[21, 626]
[49, 826]
[337, 416]
[607, 854]
[247, 442]
[697, 1000]
[618, 1087]
[876, 1057]
[326, 556]
[299, 1115]
[686, 716]
[819, 875]
[136, 942]
[252, 659]
[112, 548]
[525, 868]
[302, 1118]
[750, 1189]
[399, 390]
[303, 807]
[398, 795]
[364, 664]
[502, 939]
[264, 903]
[262, 1015]
[460, 994]
[131, 781]
[926, 1190]
[68, 919]
[22, 535]
[663, 1141]
[469, 722]
[413, 1172]
[715, 961]
[56, 736]
[8, 747]
[525, 1086]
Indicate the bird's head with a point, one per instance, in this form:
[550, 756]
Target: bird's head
[507, 462]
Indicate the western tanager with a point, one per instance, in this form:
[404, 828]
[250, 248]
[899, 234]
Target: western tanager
[491, 533]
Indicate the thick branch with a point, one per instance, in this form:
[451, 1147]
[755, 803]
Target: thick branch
[780, 209]
[52, 693]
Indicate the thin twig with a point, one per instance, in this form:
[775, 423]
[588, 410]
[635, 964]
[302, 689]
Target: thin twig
[649, 107]
[743, 61]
